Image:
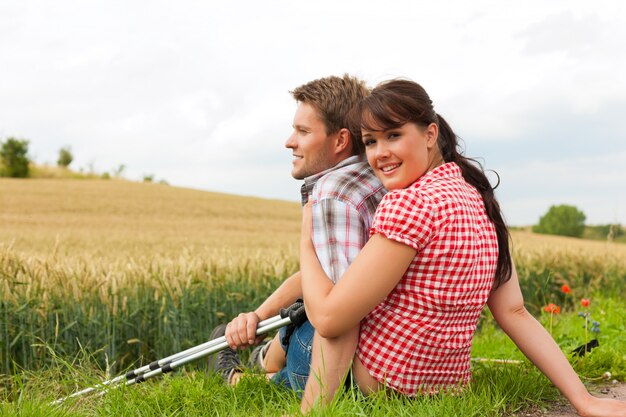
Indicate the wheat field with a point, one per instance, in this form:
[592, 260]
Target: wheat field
[115, 219]
[132, 270]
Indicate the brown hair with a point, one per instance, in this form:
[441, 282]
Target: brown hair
[333, 98]
[392, 104]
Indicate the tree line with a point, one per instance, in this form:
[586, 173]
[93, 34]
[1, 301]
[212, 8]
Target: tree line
[566, 220]
[15, 162]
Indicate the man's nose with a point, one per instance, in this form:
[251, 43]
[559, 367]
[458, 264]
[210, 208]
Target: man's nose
[291, 141]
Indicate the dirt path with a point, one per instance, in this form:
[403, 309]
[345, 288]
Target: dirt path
[563, 409]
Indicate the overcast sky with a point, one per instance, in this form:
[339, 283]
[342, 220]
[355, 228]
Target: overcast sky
[197, 92]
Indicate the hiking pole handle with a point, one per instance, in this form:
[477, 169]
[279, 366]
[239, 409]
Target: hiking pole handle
[296, 312]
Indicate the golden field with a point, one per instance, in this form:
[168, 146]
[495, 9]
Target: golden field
[115, 219]
[101, 227]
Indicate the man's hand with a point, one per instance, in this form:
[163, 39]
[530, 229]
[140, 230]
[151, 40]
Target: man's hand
[241, 331]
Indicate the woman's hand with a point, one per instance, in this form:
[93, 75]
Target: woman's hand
[307, 222]
[306, 243]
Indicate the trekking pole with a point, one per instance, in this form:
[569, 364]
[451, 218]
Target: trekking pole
[223, 344]
[157, 364]
[292, 314]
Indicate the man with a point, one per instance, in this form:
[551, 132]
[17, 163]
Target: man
[344, 192]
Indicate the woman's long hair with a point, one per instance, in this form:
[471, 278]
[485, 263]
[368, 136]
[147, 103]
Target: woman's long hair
[396, 102]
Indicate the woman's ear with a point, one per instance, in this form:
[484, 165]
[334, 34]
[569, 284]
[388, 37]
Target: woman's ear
[432, 133]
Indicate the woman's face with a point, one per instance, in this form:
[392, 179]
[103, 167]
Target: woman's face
[402, 155]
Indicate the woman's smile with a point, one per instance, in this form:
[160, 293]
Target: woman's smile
[401, 155]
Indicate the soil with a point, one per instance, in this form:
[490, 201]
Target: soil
[562, 408]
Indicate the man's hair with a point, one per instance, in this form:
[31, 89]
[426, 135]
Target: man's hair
[333, 98]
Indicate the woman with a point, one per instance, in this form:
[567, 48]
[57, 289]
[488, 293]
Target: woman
[438, 252]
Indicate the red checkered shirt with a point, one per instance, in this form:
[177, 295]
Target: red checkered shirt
[344, 199]
[418, 339]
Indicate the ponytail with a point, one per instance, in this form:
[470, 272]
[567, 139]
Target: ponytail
[474, 175]
[396, 102]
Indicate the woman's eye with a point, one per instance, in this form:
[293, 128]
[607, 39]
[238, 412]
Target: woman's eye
[368, 142]
[393, 135]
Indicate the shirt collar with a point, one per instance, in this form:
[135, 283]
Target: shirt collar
[449, 169]
[309, 182]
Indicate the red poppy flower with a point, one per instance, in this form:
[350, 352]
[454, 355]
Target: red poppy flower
[584, 302]
[566, 289]
[552, 308]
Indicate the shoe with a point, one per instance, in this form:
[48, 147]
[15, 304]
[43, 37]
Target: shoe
[226, 362]
[257, 357]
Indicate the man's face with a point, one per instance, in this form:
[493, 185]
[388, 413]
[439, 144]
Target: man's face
[311, 146]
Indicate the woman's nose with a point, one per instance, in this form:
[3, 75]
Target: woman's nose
[382, 151]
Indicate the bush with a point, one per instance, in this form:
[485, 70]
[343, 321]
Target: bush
[65, 157]
[604, 232]
[14, 156]
[562, 220]
[615, 230]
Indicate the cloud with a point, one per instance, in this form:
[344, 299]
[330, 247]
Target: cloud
[197, 92]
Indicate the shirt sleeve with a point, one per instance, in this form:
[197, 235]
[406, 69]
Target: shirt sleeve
[405, 217]
[338, 235]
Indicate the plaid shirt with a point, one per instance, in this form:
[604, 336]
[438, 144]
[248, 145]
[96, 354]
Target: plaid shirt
[418, 339]
[344, 201]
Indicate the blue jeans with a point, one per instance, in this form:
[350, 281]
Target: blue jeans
[296, 371]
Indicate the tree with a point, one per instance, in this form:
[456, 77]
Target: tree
[562, 220]
[611, 231]
[14, 156]
[119, 171]
[65, 157]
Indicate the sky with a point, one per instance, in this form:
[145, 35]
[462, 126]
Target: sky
[196, 93]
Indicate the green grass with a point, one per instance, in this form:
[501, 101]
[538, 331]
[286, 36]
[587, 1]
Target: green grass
[148, 309]
[569, 333]
[497, 390]
[196, 394]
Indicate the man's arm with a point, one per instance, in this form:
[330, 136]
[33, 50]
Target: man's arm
[241, 331]
[507, 306]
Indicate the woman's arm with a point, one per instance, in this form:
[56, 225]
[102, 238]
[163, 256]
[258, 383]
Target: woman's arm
[331, 359]
[507, 306]
[335, 309]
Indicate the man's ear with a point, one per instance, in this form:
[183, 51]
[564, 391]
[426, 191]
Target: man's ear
[343, 141]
